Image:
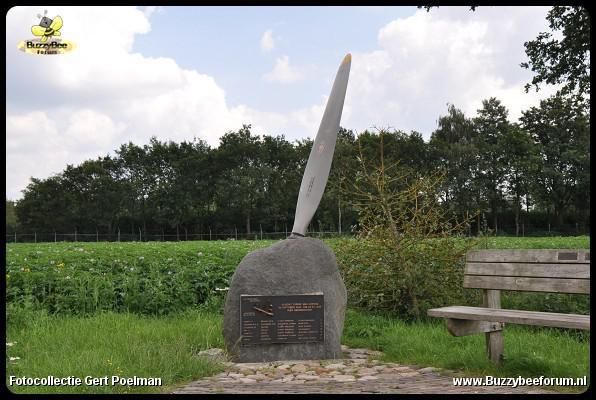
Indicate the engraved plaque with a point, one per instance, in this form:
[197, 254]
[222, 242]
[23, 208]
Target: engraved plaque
[297, 318]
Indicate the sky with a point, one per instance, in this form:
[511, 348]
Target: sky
[180, 73]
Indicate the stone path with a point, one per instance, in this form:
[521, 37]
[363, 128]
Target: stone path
[359, 372]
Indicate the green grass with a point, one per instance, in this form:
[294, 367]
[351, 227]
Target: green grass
[528, 352]
[110, 344]
[555, 242]
[130, 345]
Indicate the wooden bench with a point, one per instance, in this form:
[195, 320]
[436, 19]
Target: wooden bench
[553, 271]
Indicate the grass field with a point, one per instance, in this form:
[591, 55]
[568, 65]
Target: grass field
[528, 352]
[555, 242]
[130, 345]
[86, 337]
[114, 344]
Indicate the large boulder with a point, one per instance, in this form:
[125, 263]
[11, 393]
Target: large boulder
[289, 267]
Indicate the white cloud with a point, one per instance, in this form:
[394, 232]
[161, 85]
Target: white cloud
[297, 124]
[33, 149]
[284, 72]
[267, 41]
[150, 10]
[91, 128]
[40, 145]
[103, 95]
[81, 105]
[446, 55]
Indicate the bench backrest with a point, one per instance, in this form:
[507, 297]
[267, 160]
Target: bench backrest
[555, 271]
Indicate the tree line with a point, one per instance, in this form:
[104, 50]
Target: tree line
[534, 171]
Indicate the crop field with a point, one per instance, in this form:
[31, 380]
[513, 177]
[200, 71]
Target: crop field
[150, 277]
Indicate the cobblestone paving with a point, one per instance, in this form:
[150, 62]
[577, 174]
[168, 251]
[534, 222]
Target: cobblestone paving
[359, 372]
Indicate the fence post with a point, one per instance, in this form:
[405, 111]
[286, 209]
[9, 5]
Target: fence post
[75, 235]
[235, 232]
[261, 229]
[96, 235]
[140, 240]
[549, 228]
[35, 233]
[523, 230]
[209, 233]
[15, 236]
[54, 236]
[118, 233]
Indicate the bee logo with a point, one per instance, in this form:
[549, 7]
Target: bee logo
[47, 27]
[48, 38]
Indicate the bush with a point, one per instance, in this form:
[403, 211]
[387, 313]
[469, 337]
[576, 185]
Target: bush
[408, 255]
[405, 282]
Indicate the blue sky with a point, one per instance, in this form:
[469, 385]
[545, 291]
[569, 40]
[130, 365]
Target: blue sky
[180, 73]
[224, 43]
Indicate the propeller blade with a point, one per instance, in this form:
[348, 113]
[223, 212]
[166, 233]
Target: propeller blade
[319, 162]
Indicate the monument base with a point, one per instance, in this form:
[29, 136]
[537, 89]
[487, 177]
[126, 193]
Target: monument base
[278, 281]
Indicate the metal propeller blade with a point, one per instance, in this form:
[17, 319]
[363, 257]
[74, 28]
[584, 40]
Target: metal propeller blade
[319, 162]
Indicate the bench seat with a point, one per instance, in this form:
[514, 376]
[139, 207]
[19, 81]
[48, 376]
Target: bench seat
[522, 317]
[532, 270]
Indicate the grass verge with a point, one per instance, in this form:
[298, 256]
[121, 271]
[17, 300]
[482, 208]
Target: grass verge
[529, 352]
[110, 344]
[129, 345]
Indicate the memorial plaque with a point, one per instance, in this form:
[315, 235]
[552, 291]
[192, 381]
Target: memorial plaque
[295, 318]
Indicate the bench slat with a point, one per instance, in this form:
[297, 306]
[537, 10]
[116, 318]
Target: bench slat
[513, 316]
[566, 256]
[577, 271]
[524, 284]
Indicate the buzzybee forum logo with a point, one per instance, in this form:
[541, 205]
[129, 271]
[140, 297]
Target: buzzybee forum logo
[48, 40]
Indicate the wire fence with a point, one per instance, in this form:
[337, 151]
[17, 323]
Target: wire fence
[523, 230]
[155, 237]
[536, 230]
